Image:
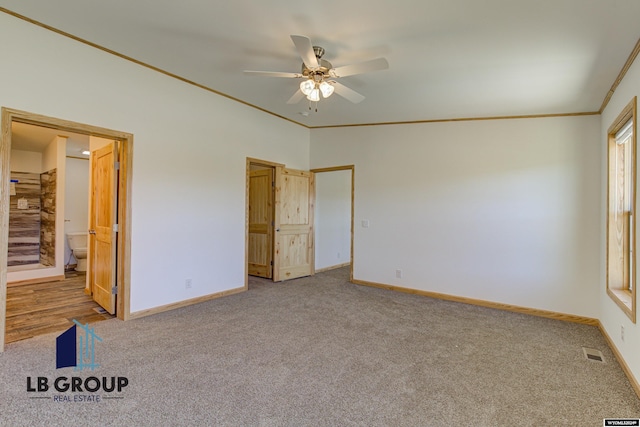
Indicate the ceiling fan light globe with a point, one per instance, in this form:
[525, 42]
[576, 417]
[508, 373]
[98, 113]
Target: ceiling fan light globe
[326, 89]
[314, 95]
[307, 86]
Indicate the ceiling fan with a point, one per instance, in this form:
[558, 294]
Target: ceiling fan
[319, 75]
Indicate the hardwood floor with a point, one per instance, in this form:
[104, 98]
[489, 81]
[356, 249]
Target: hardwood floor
[49, 307]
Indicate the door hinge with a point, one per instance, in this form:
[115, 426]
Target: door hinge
[116, 228]
[272, 263]
[117, 165]
[114, 290]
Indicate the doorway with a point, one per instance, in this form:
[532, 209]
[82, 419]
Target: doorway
[121, 249]
[279, 239]
[335, 189]
[261, 198]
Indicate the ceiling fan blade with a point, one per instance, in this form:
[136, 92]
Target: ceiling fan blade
[297, 97]
[363, 67]
[347, 93]
[272, 74]
[305, 50]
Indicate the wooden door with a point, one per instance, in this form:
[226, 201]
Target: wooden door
[102, 233]
[294, 200]
[260, 256]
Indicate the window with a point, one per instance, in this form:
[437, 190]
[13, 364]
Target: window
[621, 203]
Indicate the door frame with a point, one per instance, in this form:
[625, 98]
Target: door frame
[266, 176]
[123, 273]
[352, 168]
[256, 162]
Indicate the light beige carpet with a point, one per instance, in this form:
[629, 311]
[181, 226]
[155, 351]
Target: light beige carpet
[320, 351]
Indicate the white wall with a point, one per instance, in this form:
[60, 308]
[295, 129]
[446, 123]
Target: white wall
[332, 218]
[61, 176]
[612, 318]
[500, 210]
[189, 160]
[25, 161]
[50, 154]
[76, 208]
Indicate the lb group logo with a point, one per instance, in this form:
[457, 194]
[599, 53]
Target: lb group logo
[69, 353]
[76, 348]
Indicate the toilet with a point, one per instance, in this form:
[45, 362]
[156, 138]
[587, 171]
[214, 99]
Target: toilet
[78, 246]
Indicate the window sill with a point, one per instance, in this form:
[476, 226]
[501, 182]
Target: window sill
[624, 300]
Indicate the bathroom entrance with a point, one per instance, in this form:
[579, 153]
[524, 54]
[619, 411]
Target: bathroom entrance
[108, 268]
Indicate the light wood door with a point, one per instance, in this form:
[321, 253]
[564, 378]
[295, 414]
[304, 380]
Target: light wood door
[294, 201]
[102, 234]
[260, 256]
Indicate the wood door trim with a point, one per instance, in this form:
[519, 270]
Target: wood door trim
[60, 124]
[352, 168]
[5, 149]
[260, 261]
[257, 162]
[332, 169]
[10, 115]
[123, 273]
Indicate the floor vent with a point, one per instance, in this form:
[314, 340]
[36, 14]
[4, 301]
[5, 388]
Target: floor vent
[592, 354]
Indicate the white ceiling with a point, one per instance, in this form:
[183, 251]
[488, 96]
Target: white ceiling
[448, 58]
[26, 137]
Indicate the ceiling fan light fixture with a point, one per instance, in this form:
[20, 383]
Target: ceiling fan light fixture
[314, 95]
[307, 86]
[326, 89]
[318, 75]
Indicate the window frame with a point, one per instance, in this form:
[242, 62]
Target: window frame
[624, 296]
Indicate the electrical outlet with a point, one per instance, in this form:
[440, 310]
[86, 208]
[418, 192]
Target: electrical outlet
[398, 274]
[365, 223]
[187, 283]
[622, 332]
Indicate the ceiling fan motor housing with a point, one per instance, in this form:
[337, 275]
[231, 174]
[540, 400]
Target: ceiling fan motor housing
[323, 69]
[324, 66]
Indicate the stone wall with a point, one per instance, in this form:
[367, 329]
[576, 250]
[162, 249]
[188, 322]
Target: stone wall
[48, 218]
